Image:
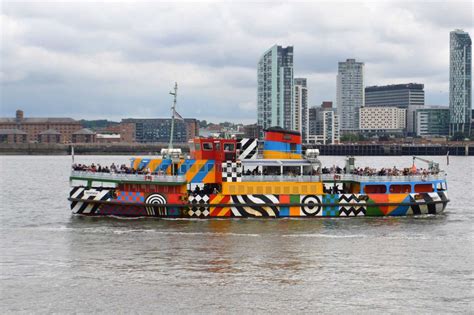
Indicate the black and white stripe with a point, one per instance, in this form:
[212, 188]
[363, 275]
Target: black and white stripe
[84, 207]
[255, 206]
[247, 148]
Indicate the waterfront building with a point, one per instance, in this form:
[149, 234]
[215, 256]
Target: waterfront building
[301, 107]
[395, 95]
[12, 136]
[410, 96]
[350, 94]
[460, 82]
[382, 120]
[159, 129]
[34, 126]
[84, 135]
[251, 131]
[432, 121]
[323, 124]
[275, 99]
[49, 136]
[125, 130]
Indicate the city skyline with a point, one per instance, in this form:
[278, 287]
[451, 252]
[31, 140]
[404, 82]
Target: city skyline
[68, 60]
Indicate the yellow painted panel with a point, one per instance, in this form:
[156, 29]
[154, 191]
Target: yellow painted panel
[271, 188]
[267, 154]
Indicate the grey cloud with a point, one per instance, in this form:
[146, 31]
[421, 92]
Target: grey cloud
[120, 59]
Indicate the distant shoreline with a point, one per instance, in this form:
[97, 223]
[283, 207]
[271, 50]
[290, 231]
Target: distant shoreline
[455, 149]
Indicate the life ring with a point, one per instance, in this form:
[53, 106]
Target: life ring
[337, 177]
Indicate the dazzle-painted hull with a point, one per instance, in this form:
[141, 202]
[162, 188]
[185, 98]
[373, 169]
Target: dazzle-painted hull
[103, 201]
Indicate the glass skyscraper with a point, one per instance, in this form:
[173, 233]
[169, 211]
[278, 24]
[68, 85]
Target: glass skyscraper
[460, 82]
[350, 93]
[275, 96]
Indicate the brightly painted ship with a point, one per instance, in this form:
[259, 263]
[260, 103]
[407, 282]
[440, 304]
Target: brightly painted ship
[229, 178]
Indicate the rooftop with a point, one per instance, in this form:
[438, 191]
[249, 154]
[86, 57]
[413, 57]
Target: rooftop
[36, 120]
[84, 131]
[391, 87]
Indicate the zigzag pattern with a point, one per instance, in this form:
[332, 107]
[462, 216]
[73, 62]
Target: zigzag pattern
[358, 209]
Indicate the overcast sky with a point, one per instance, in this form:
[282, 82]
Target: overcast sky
[120, 59]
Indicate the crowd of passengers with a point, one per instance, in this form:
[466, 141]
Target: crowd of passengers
[122, 169]
[367, 171]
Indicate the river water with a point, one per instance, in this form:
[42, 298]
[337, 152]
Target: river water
[53, 262]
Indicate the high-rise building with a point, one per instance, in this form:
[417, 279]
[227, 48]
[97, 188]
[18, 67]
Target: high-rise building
[410, 96]
[460, 82]
[275, 100]
[432, 121]
[323, 124]
[350, 93]
[301, 107]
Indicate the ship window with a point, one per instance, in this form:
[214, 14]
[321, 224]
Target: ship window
[268, 190]
[423, 188]
[217, 145]
[229, 147]
[259, 190]
[375, 189]
[398, 189]
[197, 146]
[277, 190]
[441, 186]
[206, 146]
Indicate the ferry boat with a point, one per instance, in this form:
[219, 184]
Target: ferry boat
[229, 178]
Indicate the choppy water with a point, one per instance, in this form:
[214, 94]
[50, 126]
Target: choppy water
[54, 262]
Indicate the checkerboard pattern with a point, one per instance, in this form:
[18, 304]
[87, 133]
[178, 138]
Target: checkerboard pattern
[331, 211]
[231, 172]
[199, 205]
[129, 196]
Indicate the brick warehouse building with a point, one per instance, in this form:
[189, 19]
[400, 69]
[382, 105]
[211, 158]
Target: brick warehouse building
[36, 127]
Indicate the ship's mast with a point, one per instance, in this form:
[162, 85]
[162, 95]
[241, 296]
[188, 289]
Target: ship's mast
[173, 110]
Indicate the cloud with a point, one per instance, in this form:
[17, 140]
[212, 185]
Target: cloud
[110, 59]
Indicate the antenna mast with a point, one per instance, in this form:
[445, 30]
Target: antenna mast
[173, 110]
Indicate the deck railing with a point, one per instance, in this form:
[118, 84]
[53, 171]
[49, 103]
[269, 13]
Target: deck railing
[129, 177]
[341, 177]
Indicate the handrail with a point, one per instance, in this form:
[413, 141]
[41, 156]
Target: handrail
[129, 177]
[341, 177]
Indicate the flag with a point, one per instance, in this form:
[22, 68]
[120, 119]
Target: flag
[176, 115]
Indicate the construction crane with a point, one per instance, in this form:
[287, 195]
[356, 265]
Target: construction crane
[432, 165]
